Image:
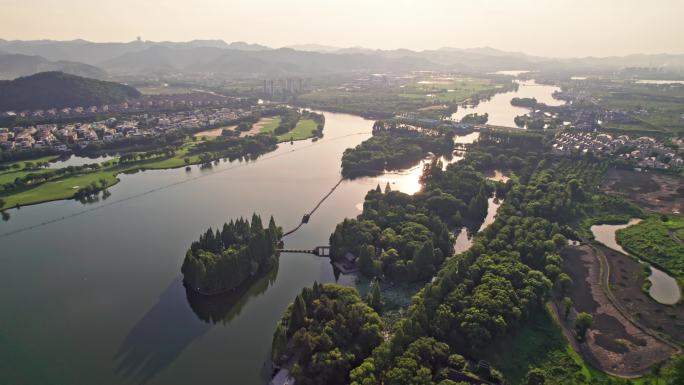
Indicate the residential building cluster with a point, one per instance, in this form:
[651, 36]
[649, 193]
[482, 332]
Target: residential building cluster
[143, 104]
[65, 137]
[643, 152]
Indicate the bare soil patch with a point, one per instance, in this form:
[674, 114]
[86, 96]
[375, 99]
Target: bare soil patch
[626, 281]
[213, 133]
[614, 344]
[654, 191]
[256, 127]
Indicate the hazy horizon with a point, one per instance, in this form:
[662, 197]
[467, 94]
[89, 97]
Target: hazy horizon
[562, 29]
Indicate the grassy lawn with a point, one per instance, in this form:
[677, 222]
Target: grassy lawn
[303, 130]
[540, 343]
[271, 126]
[162, 90]
[65, 188]
[59, 189]
[652, 241]
[10, 176]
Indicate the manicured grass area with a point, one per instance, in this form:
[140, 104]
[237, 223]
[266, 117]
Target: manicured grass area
[58, 189]
[66, 187]
[540, 343]
[653, 240]
[271, 126]
[161, 90]
[303, 130]
[10, 176]
[14, 172]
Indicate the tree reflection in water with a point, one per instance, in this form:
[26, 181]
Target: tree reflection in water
[223, 308]
[168, 328]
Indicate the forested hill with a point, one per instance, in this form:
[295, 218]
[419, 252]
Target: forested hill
[58, 90]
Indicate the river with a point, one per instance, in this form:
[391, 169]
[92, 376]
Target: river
[499, 108]
[96, 296]
[664, 288]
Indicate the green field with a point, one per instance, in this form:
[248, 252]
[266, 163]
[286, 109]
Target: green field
[271, 126]
[13, 173]
[303, 130]
[428, 96]
[164, 90]
[655, 241]
[66, 187]
[540, 343]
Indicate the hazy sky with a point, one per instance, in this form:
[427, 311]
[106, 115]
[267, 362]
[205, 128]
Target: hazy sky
[541, 27]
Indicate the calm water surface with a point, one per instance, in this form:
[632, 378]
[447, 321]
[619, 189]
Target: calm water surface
[76, 160]
[97, 298]
[499, 108]
[664, 288]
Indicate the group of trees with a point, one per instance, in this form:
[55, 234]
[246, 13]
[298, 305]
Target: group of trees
[41, 176]
[397, 236]
[475, 118]
[90, 191]
[393, 148]
[224, 259]
[318, 118]
[234, 147]
[288, 121]
[164, 152]
[327, 331]
[524, 102]
[507, 274]
[491, 289]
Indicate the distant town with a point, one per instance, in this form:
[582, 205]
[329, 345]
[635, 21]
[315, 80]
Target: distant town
[146, 118]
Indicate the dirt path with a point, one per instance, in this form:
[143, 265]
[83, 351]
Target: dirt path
[615, 344]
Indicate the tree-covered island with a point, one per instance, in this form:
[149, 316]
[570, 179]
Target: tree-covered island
[222, 260]
[394, 146]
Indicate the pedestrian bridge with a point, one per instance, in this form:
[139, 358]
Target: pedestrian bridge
[321, 251]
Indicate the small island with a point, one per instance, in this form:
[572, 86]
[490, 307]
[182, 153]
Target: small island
[395, 146]
[222, 260]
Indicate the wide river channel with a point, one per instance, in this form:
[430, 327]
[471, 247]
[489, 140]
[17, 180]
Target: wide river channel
[95, 296]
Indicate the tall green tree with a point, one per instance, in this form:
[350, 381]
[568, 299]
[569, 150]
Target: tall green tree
[375, 296]
[298, 317]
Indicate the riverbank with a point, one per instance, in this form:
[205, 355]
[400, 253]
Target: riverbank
[78, 264]
[66, 187]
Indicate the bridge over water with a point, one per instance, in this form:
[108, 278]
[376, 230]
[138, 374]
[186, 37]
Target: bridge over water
[321, 251]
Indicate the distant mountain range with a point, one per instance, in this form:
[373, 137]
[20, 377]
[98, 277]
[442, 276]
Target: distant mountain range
[16, 65]
[58, 90]
[242, 59]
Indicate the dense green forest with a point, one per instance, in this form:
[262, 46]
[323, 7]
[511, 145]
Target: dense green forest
[394, 146]
[58, 90]
[494, 288]
[224, 259]
[326, 331]
[490, 290]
